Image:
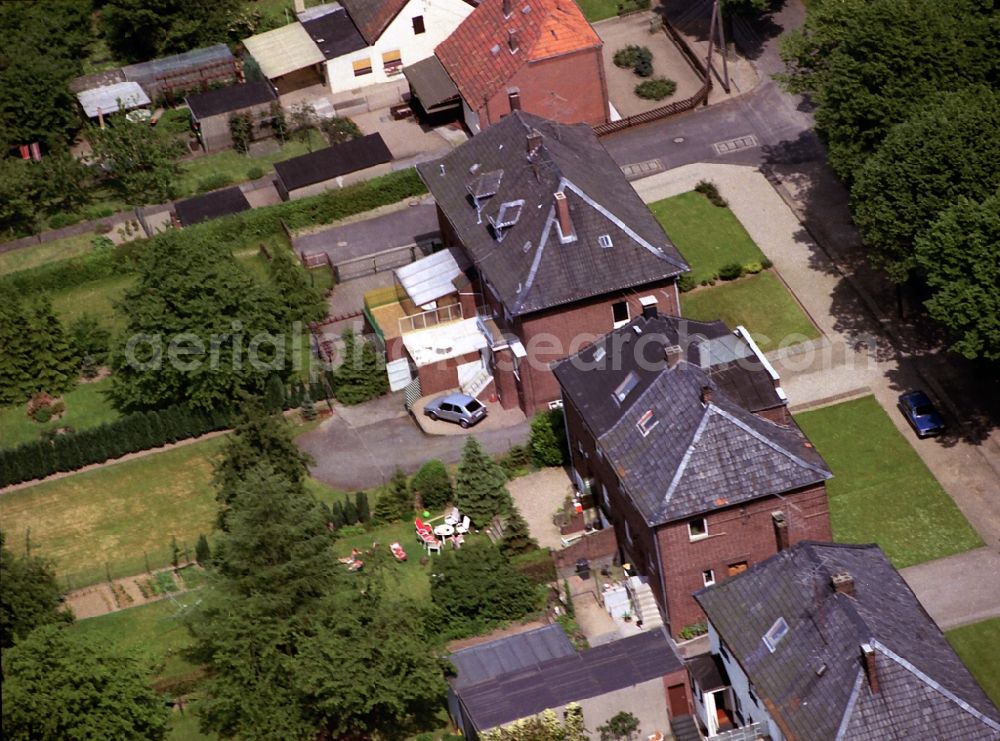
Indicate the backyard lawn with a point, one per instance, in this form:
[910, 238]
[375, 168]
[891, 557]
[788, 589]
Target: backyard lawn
[901, 506]
[96, 298]
[86, 406]
[598, 10]
[709, 237]
[59, 249]
[759, 302]
[977, 646]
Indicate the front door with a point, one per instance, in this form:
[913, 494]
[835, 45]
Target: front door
[677, 700]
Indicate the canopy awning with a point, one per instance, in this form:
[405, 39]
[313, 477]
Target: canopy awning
[444, 341]
[431, 83]
[431, 277]
[283, 50]
[107, 98]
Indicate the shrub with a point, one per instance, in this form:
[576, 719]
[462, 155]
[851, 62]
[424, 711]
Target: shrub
[339, 130]
[57, 221]
[42, 414]
[432, 484]
[627, 57]
[686, 283]
[708, 189]
[644, 68]
[100, 242]
[517, 461]
[548, 438]
[241, 130]
[731, 271]
[766, 264]
[656, 89]
[254, 173]
[693, 631]
[213, 182]
[752, 268]
[104, 227]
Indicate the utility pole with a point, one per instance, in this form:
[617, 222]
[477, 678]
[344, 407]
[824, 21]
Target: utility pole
[716, 33]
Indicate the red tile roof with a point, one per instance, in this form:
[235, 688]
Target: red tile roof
[478, 54]
[372, 17]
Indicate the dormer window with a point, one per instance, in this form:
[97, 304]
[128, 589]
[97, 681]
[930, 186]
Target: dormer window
[647, 422]
[506, 217]
[626, 386]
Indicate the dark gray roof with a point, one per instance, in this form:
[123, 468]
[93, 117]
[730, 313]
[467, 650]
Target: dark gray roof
[333, 161]
[333, 31]
[146, 73]
[430, 82]
[530, 267]
[513, 653]
[924, 689]
[596, 671]
[211, 206]
[694, 457]
[231, 98]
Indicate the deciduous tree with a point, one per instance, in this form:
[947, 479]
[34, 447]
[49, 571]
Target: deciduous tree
[139, 30]
[141, 160]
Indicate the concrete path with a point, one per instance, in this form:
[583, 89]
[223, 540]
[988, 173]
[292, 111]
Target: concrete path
[958, 590]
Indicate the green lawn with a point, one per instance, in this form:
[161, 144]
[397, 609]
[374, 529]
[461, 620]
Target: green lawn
[977, 645]
[96, 297]
[86, 406]
[759, 302]
[59, 249]
[598, 10]
[881, 491]
[709, 237]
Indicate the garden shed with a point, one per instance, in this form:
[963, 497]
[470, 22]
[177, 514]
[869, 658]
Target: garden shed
[210, 112]
[332, 167]
[211, 206]
[102, 101]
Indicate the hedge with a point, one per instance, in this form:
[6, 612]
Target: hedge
[238, 231]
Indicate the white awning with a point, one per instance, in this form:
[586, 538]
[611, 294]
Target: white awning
[444, 341]
[430, 278]
[107, 98]
[283, 50]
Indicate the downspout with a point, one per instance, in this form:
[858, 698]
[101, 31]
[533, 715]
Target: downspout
[661, 572]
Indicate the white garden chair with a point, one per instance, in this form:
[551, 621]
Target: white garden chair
[464, 526]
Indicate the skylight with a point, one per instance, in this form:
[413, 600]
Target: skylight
[647, 422]
[599, 354]
[775, 633]
[626, 386]
[605, 241]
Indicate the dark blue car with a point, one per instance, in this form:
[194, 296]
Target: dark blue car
[920, 412]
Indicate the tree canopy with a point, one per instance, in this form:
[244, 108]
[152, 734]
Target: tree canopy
[480, 485]
[37, 353]
[29, 596]
[141, 160]
[138, 30]
[60, 684]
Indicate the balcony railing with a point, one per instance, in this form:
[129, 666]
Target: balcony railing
[430, 318]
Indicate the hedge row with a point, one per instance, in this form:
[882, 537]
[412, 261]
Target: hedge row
[135, 432]
[239, 231]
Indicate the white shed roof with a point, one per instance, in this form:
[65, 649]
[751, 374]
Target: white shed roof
[283, 50]
[106, 98]
[430, 278]
[444, 341]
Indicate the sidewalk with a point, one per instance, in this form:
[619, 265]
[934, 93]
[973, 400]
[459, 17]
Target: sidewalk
[958, 590]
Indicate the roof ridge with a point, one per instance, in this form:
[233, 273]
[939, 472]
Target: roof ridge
[768, 441]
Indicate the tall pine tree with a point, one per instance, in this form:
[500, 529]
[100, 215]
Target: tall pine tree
[480, 485]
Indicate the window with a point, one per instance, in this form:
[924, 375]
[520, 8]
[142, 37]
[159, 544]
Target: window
[647, 422]
[753, 697]
[392, 62]
[775, 633]
[418, 24]
[362, 67]
[628, 532]
[698, 529]
[708, 577]
[599, 354]
[737, 568]
[623, 389]
[619, 313]
[605, 241]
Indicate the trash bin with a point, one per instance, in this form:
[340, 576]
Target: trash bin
[583, 568]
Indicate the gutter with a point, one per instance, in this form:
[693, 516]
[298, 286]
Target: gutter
[744, 334]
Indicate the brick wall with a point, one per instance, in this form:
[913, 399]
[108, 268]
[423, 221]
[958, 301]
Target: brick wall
[600, 548]
[443, 375]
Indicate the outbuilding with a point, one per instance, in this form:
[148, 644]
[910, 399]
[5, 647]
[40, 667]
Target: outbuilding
[332, 167]
[211, 206]
[210, 112]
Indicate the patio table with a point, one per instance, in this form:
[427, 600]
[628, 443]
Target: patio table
[444, 530]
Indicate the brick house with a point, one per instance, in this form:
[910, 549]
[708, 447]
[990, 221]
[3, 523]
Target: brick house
[540, 56]
[552, 248]
[824, 642]
[679, 431]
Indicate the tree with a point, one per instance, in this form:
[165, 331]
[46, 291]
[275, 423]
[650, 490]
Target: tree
[29, 596]
[91, 342]
[279, 124]
[620, 727]
[138, 30]
[202, 551]
[476, 588]
[361, 504]
[141, 160]
[949, 148]
[960, 255]
[274, 394]
[867, 64]
[480, 485]
[303, 121]
[516, 536]
[299, 300]
[37, 355]
[432, 484]
[241, 131]
[548, 438]
[20, 192]
[396, 502]
[59, 684]
[350, 512]
[339, 130]
[361, 376]
[200, 330]
[65, 182]
[544, 727]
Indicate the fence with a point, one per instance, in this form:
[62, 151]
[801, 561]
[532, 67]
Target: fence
[430, 318]
[379, 262]
[145, 562]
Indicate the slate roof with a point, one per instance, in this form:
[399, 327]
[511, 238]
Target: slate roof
[372, 17]
[332, 30]
[530, 268]
[514, 653]
[231, 98]
[925, 691]
[694, 457]
[333, 161]
[613, 666]
[478, 56]
[430, 82]
[211, 206]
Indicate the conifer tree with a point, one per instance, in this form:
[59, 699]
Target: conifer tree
[158, 435]
[361, 503]
[350, 512]
[516, 537]
[274, 395]
[480, 485]
[202, 551]
[337, 515]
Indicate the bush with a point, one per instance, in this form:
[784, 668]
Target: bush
[656, 89]
[213, 182]
[339, 130]
[432, 484]
[708, 189]
[730, 271]
[517, 461]
[548, 438]
[686, 283]
[255, 173]
[57, 221]
[644, 68]
[766, 264]
[693, 631]
[752, 268]
[42, 415]
[626, 58]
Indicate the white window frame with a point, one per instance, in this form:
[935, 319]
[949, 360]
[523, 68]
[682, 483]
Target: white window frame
[698, 536]
[628, 314]
[647, 423]
[775, 633]
[708, 577]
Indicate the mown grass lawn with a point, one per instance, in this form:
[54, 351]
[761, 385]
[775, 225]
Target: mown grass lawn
[708, 236]
[95, 297]
[59, 249]
[759, 302]
[598, 10]
[977, 645]
[881, 491]
[86, 406]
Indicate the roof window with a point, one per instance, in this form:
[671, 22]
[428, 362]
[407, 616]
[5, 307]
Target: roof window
[605, 241]
[647, 422]
[626, 386]
[775, 633]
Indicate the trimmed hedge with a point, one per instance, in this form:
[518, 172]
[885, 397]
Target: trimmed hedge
[130, 434]
[239, 231]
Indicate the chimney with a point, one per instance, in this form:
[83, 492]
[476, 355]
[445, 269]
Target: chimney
[512, 40]
[649, 307]
[673, 355]
[562, 213]
[534, 141]
[506, 8]
[514, 98]
[843, 583]
[868, 658]
[780, 530]
[706, 395]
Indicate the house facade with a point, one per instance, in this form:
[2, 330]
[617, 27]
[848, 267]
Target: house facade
[539, 56]
[553, 249]
[824, 642]
[679, 432]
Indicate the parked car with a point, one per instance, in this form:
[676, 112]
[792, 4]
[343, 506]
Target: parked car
[921, 413]
[459, 408]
